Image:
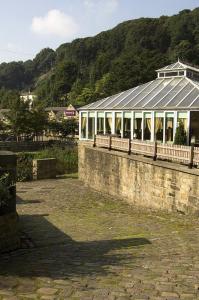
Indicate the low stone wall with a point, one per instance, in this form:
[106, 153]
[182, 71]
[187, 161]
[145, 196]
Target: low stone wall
[33, 146]
[139, 180]
[44, 168]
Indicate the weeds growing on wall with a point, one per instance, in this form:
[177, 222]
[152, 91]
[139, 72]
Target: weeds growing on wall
[67, 158]
[24, 166]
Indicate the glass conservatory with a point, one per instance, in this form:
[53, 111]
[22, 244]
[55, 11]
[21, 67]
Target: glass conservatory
[149, 112]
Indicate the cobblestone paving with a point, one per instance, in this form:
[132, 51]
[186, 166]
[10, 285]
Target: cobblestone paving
[78, 244]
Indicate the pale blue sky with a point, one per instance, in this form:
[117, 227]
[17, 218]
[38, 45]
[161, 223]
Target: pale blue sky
[27, 26]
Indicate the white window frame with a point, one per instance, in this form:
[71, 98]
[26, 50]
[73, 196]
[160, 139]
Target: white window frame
[80, 128]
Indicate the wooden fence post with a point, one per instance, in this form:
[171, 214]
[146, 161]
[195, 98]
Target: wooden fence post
[109, 144]
[129, 151]
[155, 151]
[94, 142]
[191, 154]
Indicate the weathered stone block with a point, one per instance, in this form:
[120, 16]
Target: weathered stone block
[44, 168]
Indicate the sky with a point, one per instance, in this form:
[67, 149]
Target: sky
[27, 26]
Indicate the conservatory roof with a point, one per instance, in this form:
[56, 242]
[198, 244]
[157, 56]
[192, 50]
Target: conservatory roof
[178, 66]
[172, 93]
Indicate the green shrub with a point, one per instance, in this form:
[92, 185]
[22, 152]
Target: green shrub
[67, 161]
[24, 166]
[67, 158]
[180, 136]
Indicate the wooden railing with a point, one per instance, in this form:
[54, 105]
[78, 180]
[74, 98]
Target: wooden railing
[178, 153]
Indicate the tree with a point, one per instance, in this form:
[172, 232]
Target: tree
[38, 121]
[23, 121]
[87, 96]
[19, 118]
[180, 136]
[69, 127]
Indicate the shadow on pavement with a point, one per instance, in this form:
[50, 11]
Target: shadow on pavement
[57, 256]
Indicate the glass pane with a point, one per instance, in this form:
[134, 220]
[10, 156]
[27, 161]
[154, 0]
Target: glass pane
[100, 125]
[108, 124]
[83, 127]
[137, 134]
[147, 126]
[184, 122]
[127, 115]
[169, 125]
[118, 123]
[91, 128]
[127, 127]
[182, 115]
[159, 125]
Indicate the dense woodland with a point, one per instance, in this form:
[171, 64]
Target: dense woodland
[91, 68]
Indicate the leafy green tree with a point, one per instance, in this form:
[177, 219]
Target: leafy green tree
[19, 118]
[112, 61]
[38, 121]
[23, 121]
[180, 135]
[44, 61]
[69, 127]
[65, 128]
[87, 96]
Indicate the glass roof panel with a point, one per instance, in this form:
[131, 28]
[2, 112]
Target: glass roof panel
[107, 102]
[196, 103]
[153, 93]
[177, 87]
[183, 93]
[189, 99]
[155, 100]
[94, 104]
[128, 98]
[120, 99]
[134, 102]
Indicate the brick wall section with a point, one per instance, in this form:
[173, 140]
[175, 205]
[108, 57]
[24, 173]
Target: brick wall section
[139, 180]
[9, 232]
[44, 168]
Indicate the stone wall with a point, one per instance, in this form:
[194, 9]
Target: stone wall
[139, 180]
[9, 232]
[44, 168]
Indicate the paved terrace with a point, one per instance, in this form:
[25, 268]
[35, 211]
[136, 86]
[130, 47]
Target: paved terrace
[79, 244]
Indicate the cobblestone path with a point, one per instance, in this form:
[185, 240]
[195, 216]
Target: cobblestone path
[79, 244]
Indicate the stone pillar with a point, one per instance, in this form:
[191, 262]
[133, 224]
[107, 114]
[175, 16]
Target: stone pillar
[9, 224]
[44, 168]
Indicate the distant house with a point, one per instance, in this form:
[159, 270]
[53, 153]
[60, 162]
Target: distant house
[28, 97]
[151, 111]
[62, 113]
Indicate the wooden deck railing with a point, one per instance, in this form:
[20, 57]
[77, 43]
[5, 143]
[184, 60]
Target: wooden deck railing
[184, 154]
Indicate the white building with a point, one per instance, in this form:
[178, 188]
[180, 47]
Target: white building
[151, 111]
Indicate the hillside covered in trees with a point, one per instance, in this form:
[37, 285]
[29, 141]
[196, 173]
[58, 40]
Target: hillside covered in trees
[91, 68]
